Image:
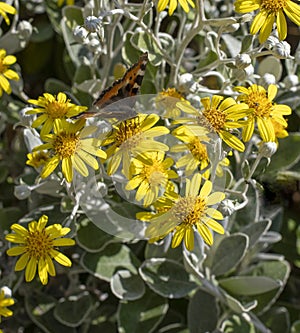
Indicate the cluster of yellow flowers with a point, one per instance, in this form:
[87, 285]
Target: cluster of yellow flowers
[131, 147]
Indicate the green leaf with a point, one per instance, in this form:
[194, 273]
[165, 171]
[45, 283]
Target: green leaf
[74, 310]
[296, 327]
[209, 59]
[249, 285]
[277, 270]
[246, 43]
[166, 277]
[39, 308]
[270, 65]
[54, 86]
[142, 41]
[229, 254]
[238, 324]
[287, 155]
[91, 238]
[127, 286]
[202, 313]
[277, 320]
[237, 306]
[105, 263]
[143, 315]
[255, 230]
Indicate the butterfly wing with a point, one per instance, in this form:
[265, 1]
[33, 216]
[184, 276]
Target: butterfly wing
[128, 86]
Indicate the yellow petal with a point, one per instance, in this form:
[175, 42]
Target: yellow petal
[30, 269]
[61, 258]
[205, 233]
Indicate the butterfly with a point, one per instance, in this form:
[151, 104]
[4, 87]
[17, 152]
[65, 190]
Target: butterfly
[123, 89]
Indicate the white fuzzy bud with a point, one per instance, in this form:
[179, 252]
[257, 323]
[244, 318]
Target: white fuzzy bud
[80, 34]
[267, 149]
[93, 24]
[226, 207]
[187, 83]
[232, 27]
[267, 79]
[291, 81]
[25, 30]
[243, 74]
[282, 50]
[7, 291]
[271, 42]
[242, 61]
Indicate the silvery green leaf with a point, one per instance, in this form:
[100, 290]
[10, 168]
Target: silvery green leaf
[127, 286]
[166, 277]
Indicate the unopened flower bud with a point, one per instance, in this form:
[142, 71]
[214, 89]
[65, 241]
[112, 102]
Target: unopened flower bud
[94, 45]
[282, 50]
[243, 74]
[271, 42]
[80, 34]
[25, 30]
[6, 290]
[186, 82]
[92, 24]
[291, 81]
[26, 119]
[232, 27]
[267, 79]
[242, 61]
[226, 207]
[267, 149]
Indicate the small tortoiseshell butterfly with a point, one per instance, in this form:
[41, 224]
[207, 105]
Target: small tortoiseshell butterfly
[128, 86]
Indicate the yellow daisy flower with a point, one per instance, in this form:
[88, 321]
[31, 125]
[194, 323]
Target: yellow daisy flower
[150, 173]
[37, 247]
[4, 303]
[162, 4]
[70, 146]
[270, 11]
[53, 107]
[6, 8]
[132, 137]
[197, 156]
[166, 102]
[37, 159]
[68, 2]
[6, 73]
[219, 115]
[189, 213]
[263, 111]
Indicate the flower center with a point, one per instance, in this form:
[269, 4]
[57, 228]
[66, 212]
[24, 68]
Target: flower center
[128, 133]
[65, 144]
[190, 209]
[38, 244]
[260, 103]
[56, 110]
[155, 174]
[198, 150]
[273, 6]
[216, 118]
